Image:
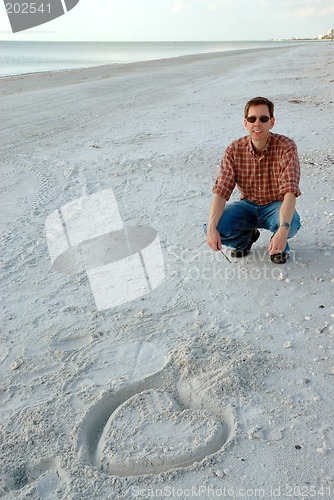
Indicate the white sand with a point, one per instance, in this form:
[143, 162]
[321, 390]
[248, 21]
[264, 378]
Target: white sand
[219, 382]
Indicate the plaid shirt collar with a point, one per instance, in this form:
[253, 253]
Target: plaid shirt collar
[265, 151]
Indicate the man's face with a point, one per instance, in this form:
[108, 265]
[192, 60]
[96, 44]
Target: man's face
[259, 131]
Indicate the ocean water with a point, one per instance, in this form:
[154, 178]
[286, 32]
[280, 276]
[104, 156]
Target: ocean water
[32, 57]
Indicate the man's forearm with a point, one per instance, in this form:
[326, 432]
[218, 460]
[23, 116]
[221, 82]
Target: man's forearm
[287, 208]
[278, 241]
[216, 211]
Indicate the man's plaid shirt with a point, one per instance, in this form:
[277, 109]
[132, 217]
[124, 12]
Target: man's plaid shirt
[261, 179]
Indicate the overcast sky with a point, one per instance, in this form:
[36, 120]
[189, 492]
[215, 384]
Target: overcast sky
[180, 20]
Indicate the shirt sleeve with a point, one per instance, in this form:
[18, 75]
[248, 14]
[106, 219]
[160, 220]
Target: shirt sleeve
[225, 181]
[290, 172]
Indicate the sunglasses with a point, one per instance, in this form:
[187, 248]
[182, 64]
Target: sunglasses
[263, 119]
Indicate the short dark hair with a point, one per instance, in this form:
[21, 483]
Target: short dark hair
[259, 100]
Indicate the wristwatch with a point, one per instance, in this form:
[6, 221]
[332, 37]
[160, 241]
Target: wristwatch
[286, 225]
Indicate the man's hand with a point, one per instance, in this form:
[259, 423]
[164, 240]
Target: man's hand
[213, 239]
[278, 241]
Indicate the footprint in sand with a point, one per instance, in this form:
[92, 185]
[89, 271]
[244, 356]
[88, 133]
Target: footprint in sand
[71, 343]
[47, 476]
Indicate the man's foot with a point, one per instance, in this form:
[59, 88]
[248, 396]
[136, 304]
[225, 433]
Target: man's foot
[237, 252]
[279, 258]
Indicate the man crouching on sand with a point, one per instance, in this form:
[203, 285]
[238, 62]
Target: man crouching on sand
[265, 167]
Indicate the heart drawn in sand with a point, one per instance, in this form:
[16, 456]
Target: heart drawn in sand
[151, 433]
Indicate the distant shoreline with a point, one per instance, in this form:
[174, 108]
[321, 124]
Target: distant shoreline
[311, 40]
[72, 76]
[28, 57]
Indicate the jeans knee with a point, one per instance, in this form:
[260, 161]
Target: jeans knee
[295, 225]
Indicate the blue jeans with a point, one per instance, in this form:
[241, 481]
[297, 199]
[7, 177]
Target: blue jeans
[241, 217]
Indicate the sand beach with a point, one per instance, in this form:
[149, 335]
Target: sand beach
[163, 371]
